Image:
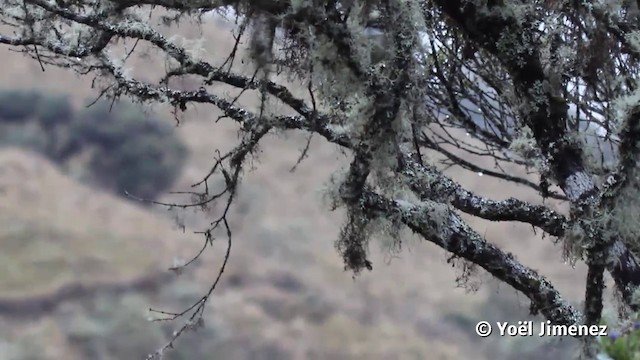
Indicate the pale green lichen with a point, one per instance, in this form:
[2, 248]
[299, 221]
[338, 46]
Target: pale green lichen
[525, 144]
[514, 46]
[597, 154]
[622, 105]
[633, 39]
[195, 48]
[390, 233]
[330, 195]
[539, 96]
[574, 243]
[431, 216]
[517, 11]
[625, 216]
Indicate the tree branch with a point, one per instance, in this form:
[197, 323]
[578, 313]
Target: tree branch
[545, 112]
[453, 235]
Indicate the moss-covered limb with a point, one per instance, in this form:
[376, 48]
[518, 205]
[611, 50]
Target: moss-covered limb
[624, 268]
[125, 29]
[186, 5]
[594, 290]
[311, 121]
[388, 95]
[622, 263]
[491, 258]
[449, 231]
[629, 151]
[501, 33]
[427, 182]
[617, 195]
[97, 44]
[597, 244]
[431, 184]
[617, 26]
[593, 300]
[545, 113]
[606, 247]
[336, 31]
[378, 131]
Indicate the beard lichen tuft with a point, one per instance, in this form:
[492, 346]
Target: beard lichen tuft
[573, 243]
[353, 242]
[389, 232]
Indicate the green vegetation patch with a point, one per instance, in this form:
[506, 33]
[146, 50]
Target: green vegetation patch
[115, 146]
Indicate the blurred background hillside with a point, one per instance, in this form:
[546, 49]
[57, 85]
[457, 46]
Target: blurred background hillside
[81, 264]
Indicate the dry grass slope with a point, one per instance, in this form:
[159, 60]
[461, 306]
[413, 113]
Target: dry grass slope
[56, 232]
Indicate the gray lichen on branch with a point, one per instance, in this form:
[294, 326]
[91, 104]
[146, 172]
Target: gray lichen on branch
[504, 74]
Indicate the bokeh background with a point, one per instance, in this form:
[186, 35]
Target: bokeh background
[81, 264]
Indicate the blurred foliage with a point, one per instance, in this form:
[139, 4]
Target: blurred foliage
[118, 326]
[52, 110]
[28, 135]
[121, 148]
[112, 328]
[623, 344]
[35, 341]
[132, 152]
[18, 105]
